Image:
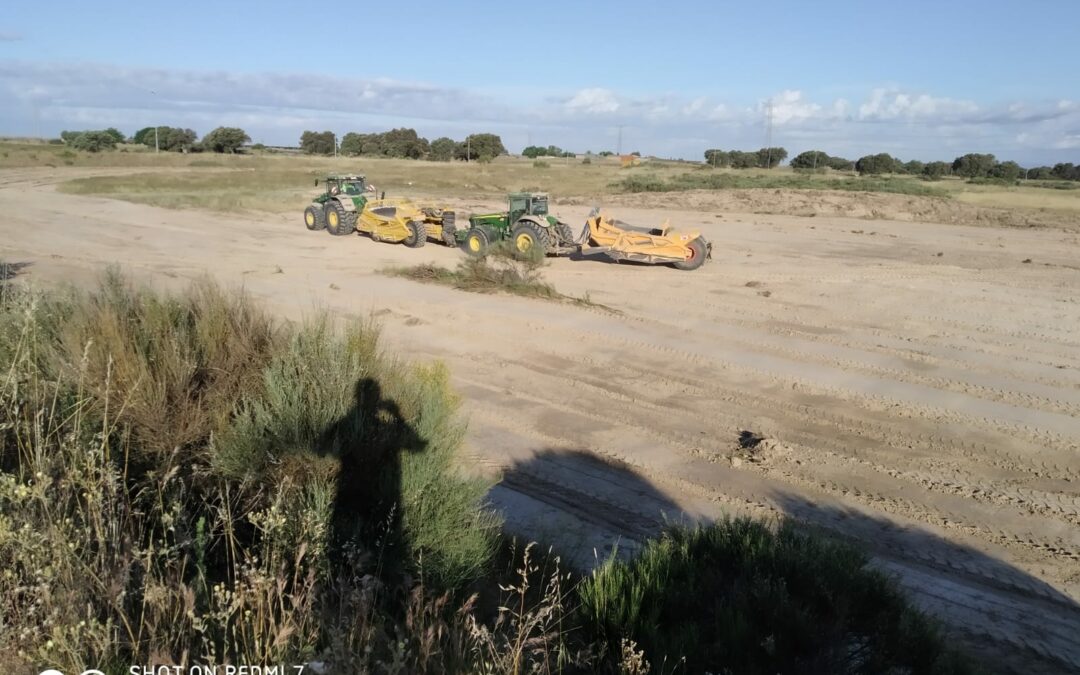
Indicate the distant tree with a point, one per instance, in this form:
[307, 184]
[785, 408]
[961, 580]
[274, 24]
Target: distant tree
[811, 159]
[225, 139]
[973, 165]
[316, 143]
[841, 164]
[876, 164]
[716, 157]
[606, 153]
[141, 135]
[116, 134]
[636, 153]
[476, 146]
[1006, 171]
[68, 136]
[442, 149]
[914, 167]
[769, 158]
[1066, 171]
[352, 144]
[935, 170]
[743, 160]
[1040, 173]
[93, 141]
[168, 138]
[533, 151]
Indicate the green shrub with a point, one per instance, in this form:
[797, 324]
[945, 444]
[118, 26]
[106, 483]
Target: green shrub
[540, 164]
[740, 597]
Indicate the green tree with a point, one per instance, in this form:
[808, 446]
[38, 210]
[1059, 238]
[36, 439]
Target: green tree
[1040, 173]
[1065, 171]
[877, 164]
[116, 134]
[442, 149]
[93, 141]
[841, 164]
[717, 157]
[973, 165]
[352, 144]
[476, 146]
[175, 139]
[1007, 171]
[935, 170]
[914, 167]
[743, 160]
[316, 143]
[811, 159]
[225, 139]
[769, 158]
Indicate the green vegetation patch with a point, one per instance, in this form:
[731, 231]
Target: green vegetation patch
[715, 180]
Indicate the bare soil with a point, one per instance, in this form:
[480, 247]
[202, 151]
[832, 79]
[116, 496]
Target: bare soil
[914, 387]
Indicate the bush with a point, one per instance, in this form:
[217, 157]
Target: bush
[973, 165]
[93, 141]
[876, 164]
[225, 139]
[540, 164]
[193, 495]
[935, 170]
[740, 597]
[811, 159]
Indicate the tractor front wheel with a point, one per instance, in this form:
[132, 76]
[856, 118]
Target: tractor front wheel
[338, 222]
[476, 242]
[695, 255]
[314, 219]
[528, 238]
[417, 234]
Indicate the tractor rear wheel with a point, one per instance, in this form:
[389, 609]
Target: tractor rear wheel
[476, 242]
[338, 222]
[566, 235]
[449, 230]
[417, 234]
[314, 219]
[695, 255]
[527, 238]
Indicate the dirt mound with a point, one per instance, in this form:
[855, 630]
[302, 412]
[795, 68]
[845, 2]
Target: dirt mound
[868, 205]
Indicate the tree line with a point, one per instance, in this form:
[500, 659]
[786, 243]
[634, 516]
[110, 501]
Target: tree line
[765, 158]
[169, 139]
[973, 166]
[403, 144]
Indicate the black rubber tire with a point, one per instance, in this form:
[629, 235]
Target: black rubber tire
[528, 229]
[449, 228]
[314, 218]
[566, 235]
[338, 222]
[697, 259]
[417, 234]
[481, 239]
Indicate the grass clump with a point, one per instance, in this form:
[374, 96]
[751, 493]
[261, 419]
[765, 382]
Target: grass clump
[184, 479]
[740, 597]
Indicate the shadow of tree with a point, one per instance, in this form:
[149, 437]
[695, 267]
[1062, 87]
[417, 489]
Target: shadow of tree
[1008, 619]
[368, 441]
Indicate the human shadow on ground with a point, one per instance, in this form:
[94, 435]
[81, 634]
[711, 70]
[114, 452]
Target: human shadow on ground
[369, 440]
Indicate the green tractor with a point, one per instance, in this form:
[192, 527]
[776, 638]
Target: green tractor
[526, 224]
[339, 206]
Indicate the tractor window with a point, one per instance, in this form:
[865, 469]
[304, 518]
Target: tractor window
[353, 189]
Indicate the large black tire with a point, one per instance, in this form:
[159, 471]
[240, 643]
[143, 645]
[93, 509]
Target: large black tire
[314, 218]
[476, 242]
[527, 237]
[449, 228]
[695, 257]
[566, 235]
[417, 234]
[338, 221]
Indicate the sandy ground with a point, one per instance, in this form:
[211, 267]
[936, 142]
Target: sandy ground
[915, 387]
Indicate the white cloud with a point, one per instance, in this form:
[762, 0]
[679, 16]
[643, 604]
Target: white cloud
[276, 107]
[593, 101]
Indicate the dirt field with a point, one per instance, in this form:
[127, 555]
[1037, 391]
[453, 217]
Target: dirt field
[915, 387]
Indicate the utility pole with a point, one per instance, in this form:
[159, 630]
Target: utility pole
[468, 148]
[618, 149]
[157, 147]
[768, 135]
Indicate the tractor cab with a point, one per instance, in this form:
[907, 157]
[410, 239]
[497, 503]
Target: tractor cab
[527, 204]
[352, 186]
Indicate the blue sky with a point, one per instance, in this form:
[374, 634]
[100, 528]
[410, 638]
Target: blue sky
[924, 80]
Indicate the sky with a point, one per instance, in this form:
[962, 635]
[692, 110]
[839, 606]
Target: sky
[919, 80]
